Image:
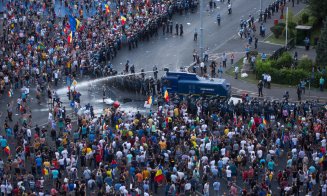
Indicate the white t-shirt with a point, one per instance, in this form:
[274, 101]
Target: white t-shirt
[324, 188]
[259, 153]
[187, 186]
[64, 153]
[228, 173]
[208, 146]
[243, 142]
[223, 151]
[225, 160]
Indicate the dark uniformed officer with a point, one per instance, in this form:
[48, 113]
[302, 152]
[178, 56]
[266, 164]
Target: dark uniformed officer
[181, 29]
[170, 27]
[155, 72]
[133, 69]
[218, 19]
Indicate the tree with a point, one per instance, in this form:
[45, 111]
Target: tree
[318, 9]
[321, 47]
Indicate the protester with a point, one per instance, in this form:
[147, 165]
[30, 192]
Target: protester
[179, 147]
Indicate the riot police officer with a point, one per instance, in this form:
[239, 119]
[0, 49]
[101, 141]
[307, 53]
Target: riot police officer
[155, 72]
[218, 19]
[133, 69]
[126, 66]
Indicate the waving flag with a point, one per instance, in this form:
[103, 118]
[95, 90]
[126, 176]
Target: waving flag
[166, 96]
[10, 93]
[45, 171]
[159, 176]
[7, 150]
[70, 38]
[123, 20]
[107, 8]
[77, 23]
[72, 22]
[264, 121]
[150, 100]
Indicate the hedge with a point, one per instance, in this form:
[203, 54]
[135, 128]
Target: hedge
[281, 76]
[285, 60]
[305, 64]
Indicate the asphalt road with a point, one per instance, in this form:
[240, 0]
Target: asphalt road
[174, 51]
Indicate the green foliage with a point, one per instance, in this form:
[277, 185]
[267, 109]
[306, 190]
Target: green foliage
[286, 75]
[281, 24]
[285, 60]
[304, 18]
[313, 21]
[305, 64]
[321, 49]
[281, 75]
[277, 30]
[291, 25]
[317, 76]
[253, 53]
[318, 9]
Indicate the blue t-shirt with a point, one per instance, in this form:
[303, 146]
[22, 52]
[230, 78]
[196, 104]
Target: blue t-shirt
[55, 174]
[3, 142]
[38, 161]
[117, 186]
[91, 137]
[132, 171]
[271, 165]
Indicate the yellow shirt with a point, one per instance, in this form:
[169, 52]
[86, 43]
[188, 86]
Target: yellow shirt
[226, 131]
[176, 112]
[146, 174]
[46, 164]
[88, 150]
[109, 173]
[163, 145]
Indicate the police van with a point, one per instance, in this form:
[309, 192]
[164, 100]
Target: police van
[190, 83]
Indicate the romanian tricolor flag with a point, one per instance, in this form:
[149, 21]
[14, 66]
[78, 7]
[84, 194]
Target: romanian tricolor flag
[74, 23]
[45, 171]
[123, 20]
[7, 150]
[70, 38]
[77, 23]
[10, 93]
[166, 96]
[107, 8]
[104, 127]
[264, 121]
[150, 100]
[113, 164]
[65, 30]
[159, 176]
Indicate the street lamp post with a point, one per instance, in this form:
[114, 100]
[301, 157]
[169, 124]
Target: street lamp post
[260, 10]
[201, 29]
[286, 27]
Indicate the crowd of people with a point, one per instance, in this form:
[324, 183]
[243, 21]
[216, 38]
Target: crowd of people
[36, 44]
[180, 146]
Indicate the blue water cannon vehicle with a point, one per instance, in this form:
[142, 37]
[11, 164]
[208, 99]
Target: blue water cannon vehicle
[184, 83]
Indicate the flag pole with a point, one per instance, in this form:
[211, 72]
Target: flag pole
[286, 27]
